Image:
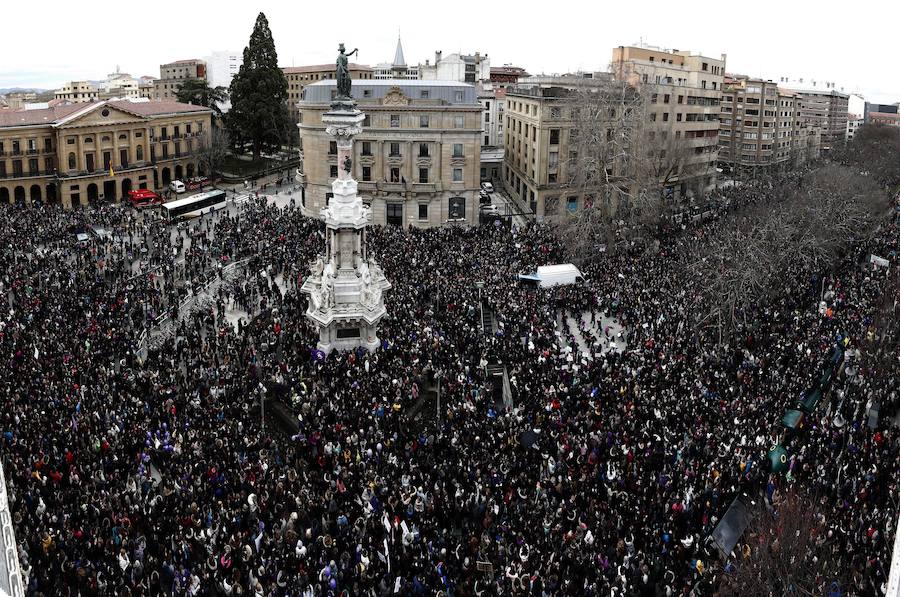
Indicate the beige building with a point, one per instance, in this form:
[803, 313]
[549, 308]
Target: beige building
[823, 106]
[173, 75]
[74, 154]
[298, 77]
[77, 92]
[761, 126]
[685, 91]
[417, 159]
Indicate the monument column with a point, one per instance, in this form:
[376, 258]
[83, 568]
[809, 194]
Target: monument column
[346, 285]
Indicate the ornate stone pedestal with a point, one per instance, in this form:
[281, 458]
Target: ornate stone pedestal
[346, 285]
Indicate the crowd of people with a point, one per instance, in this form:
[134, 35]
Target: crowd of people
[154, 472]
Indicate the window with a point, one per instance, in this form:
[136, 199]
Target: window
[333, 171]
[423, 211]
[16, 143]
[457, 209]
[653, 117]
[457, 175]
[367, 173]
[554, 136]
[666, 98]
[423, 122]
[423, 175]
[423, 150]
[366, 148]
[395, 121]
[551, 206]
[572, 204]
[33, 165]
[459, 97]
[487, 140]
[395, 174]
[554, 159]
[423, 94]
[71, 161]
[678, 117]
[367, 121]
[459, 122]
[123, 158]
[680, 99]
[551, 178]
[395, 149]
[332, 148]
[457, 150]
[665, 117]
[555, 112]
[139, 153]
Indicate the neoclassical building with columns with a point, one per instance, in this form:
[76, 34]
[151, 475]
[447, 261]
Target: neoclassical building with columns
[417, 160]
[77, 154]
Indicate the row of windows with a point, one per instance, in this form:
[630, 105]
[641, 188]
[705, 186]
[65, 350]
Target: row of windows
[394, 149]
[395, 176]
[33, 167]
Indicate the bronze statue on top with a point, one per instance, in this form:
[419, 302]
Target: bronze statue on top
[342, 73]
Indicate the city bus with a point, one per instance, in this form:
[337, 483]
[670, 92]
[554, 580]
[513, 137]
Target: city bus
[194, 206]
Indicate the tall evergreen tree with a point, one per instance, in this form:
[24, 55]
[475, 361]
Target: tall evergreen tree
[259, 113]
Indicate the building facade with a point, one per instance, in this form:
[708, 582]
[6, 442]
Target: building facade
[77, 92]
[853, 124]
[822, 105]
[493, 101]
[457, 67]
[173, 75]
[298, 77]
[685, 90]
[506, 76]
[221, 67]
[417, 159]
[77, 154]
[761, 126]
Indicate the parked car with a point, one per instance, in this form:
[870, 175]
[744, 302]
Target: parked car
[176, 186]
[487, 187]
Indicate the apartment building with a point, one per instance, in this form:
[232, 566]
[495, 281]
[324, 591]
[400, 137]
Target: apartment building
[417, 159]
[81, 153]
[77, 92]
[823, 106]
[298, 77]
[173, 75]
[684, 90]
[466, 68]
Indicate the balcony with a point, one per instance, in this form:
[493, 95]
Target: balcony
[37, 174]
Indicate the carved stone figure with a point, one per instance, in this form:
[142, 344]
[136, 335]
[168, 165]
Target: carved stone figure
[348, 164]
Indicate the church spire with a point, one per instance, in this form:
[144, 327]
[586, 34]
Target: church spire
[398, 55]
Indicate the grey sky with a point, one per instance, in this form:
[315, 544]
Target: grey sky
[65, 40]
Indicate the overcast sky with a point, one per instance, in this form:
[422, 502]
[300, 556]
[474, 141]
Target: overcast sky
[58, 41]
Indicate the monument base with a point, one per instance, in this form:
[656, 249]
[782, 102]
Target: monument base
[348, 337]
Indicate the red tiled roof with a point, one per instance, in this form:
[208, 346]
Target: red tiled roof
[53, 114]
[10, 118]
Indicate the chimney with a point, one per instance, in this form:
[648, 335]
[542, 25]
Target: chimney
[437, 56]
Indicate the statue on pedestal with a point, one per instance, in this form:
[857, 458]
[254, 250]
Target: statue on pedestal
[342, 72]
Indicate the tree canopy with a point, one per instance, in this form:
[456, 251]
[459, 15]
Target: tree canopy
[199, 93]
[259, 114]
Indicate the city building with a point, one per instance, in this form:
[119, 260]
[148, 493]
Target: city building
[537, 131]
[685, 90]
[822, 105]
[147, 86]
[77, 92]
[119, 85]
[76, 153]
[493, 100]
[221, 67]
[398, 69]
[879, 108]
[457, 67]
[506, 75]
[173, 75]
[417, 159]
[761, 126]
[298, 77]
[17, 99]
[854, 121]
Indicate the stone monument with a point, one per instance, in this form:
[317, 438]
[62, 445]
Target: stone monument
[346, 285]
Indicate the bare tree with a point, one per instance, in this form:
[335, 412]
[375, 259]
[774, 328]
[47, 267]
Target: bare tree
[213, 149]
[785, 551]
[619, 161]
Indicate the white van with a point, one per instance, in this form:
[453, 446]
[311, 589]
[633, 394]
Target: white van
[176, 186]
[553, 275]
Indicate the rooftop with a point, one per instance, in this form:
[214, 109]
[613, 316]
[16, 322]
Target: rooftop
[57, 113]
[317, 68]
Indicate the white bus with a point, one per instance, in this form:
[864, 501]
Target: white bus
[193, 206]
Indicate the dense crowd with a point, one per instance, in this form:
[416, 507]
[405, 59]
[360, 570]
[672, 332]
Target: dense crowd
[158, 475]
